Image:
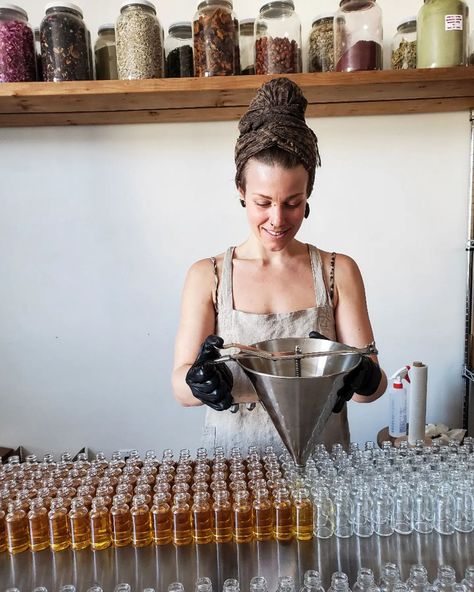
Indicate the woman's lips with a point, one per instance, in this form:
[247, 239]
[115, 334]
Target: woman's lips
[276, 233]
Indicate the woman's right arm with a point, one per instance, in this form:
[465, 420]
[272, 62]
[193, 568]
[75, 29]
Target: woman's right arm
[197, 321]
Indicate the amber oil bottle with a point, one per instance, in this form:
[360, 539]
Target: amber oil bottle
[222, 509]
[283, 529]
[121, 522]
[161, 520]
[141, 522]
[38, 525]
[58, 525]
[201, 514]
[303, 515]
[16, 526]
[262, 516]
[100, 525]
[182, 529]
[78, 518]
[3, 536]
[243, 518]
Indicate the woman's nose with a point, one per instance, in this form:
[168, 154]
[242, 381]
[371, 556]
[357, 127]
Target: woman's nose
[276, 216]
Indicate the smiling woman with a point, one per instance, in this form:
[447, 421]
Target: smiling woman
[272, 285]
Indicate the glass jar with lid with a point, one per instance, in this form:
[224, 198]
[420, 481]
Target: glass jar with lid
[17, 46]
[215, 39]
[404, 45]
[321, 44]
[39, 65]
[278, 39]
[443, 30]
[64, 43]
[247, 46]
[106, 53]
[139, 41]
[358, 36]
[179, 51]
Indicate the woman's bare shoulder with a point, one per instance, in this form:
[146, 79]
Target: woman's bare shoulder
[201, 276]
[344, 264]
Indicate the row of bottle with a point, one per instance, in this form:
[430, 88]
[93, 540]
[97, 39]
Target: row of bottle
[133, 47]
[390, 581]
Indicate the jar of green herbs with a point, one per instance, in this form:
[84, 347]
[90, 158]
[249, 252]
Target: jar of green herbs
[404, 45]
[443, 29]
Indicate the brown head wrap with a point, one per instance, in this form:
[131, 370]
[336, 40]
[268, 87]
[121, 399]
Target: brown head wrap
[276, 118]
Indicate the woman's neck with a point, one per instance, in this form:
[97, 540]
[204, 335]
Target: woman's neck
[253, 249]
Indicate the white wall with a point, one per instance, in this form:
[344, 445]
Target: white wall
[99, 224]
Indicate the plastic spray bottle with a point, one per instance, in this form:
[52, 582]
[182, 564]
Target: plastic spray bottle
[398, 403]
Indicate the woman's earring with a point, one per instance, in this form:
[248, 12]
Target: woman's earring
[306, 211]
[242, 203]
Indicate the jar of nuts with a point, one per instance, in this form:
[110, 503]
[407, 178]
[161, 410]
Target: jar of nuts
[404, 45]
[216, 39]
[278, 39]
[321, 44]
[139, 39]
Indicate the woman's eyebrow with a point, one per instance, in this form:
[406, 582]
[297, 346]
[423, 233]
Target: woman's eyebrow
[286, 198]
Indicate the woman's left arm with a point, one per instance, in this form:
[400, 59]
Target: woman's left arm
[352, 318]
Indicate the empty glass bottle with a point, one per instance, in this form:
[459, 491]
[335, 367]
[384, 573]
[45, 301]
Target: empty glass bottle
[444, 510]
[365, 581]
[383, 506]
[38, 525]
[342, 513]
[258, 584]
[16, 527]
[120, 522]
[231, 585]
[339, 582]
[203, 584]
[464, 507]
[362, 512]
[58, 525]
[182, 527]
[100, 525]
[468, 581]
[286, 584]
[68, 588]
[312, 581]
[403, 509]
[323, 513]
[445, 579]
[390, 577]
[123, 588]
[418, 579]
[141, 523]
[423, 509]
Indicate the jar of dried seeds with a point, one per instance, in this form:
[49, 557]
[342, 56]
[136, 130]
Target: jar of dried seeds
[215, 36]
[404, 45]
[64, 44]
[106, 53]
[179, 51]
[247, 46]
[139, 39]
[278, 39]
[321, 44]
[17, 46]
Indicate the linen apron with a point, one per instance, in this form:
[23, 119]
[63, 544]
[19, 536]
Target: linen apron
[246, 428]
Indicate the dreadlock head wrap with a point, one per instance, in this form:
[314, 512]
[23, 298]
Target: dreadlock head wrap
[275, 117]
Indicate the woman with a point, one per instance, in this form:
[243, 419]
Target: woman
[272, 285]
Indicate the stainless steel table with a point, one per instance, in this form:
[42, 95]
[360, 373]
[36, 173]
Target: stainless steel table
[159, 566]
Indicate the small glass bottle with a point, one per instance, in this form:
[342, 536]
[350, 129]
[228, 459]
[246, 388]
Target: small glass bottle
[323, 511]
[468, 581]
[139, 42]
[303, 515]
[284, 528]
[390, 577]
[365, 581]
[222, 512]
[286, 584]
[243, 517]
[445, 579]
[339, 582]
[262, 516]
[423, 509]
[64, 43]
[38, 525]
[100, 525]
[17, 46]
[383, 511]
[342, 513]
[321, 44]
[79, 525]
[214, 36]
[443, 32]
[464, 507]
[3, 535]
[444, 510]
[258, 584]
[16, 527]
[247, 46]
[358, 36]
[58, 526]
[312, 581]
[418, 578]
[203, 584]
[141, 522]
[278, 39]
[404, 45]
[179, 51]
[182, 527]
[161, 520]
[105, 52]
[362, 512]
[201, 513]
[120, 522]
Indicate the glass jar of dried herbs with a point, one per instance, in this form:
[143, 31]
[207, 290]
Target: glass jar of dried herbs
[139, 40]
[358, 36]
[443, 31]
[179, 51]
[404, 45]
[17, 46]
[278, 39]
[247, 46]
[216, 39]
[106, 53]
[321, 44]
[64, 44]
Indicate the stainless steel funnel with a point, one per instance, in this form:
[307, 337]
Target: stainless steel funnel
[299, 395]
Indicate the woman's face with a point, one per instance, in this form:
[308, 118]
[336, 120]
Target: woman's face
[275, 199]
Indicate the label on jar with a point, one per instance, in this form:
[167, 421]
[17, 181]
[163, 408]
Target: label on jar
[453, 22]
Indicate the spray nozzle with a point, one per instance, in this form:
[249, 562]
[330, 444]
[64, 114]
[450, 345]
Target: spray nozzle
[401, 374]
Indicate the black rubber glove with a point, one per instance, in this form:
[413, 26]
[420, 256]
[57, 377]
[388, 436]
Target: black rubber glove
[363, 380]
[211, 383]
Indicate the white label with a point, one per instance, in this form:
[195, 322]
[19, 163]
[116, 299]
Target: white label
[453, 22]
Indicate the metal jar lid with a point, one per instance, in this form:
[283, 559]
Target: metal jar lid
[181, 26]
[146, 3]
[15, 8]
[68, 5]
[278, 4]
[106, 27]
[407, 23]
[325, 16]
[204, 3]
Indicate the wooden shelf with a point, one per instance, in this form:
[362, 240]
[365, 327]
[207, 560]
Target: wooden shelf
[225, 98]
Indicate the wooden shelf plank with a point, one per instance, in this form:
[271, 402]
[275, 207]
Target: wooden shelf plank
[226, 98]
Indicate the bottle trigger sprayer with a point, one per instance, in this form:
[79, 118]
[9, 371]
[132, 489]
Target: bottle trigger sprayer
[398, 403]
